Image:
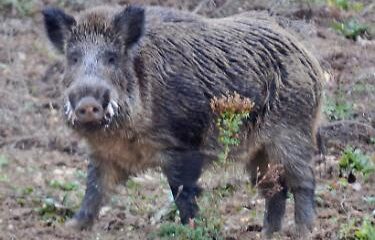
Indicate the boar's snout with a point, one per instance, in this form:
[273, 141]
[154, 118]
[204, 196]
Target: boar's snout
[89, 111]
[90, 105]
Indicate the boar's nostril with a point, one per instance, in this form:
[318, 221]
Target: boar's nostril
[82, 111]
[89, 110]
[95, 109]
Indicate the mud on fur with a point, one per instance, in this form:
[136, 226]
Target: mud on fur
[139, 81]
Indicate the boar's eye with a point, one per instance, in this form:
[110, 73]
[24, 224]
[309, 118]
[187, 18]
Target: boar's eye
[110, 58]
[73, 57]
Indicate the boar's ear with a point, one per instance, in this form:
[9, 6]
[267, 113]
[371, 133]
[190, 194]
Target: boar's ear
[130, 24]
[57, 24]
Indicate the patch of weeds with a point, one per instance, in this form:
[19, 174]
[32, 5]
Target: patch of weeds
[204, 230]
[225, 191]
[4, 178]
[364, 88]
[231, 111]
[52, 211]
[65, 186]
[356, 230]
[347, 229]
[132, 185]
[366, 231]
[355, 161]
[351, 29]
[342, 182]
[345, 5]
[3, 162]
[207, 225]
[23, 7]
[58, 209]
[27, 191]
[369, 200]
[337, 109]
[76, 4]
[79, 174]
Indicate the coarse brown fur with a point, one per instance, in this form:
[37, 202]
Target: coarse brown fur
[165, 80]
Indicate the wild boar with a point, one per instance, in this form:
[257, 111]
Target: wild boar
[139, 81]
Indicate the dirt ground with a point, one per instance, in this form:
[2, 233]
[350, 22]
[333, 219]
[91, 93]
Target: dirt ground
[42, 163]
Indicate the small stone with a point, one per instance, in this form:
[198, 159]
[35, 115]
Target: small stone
[357, 186]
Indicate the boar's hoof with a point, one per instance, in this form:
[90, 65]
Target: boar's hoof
[191, 223]
[303, 231]
[79, 224]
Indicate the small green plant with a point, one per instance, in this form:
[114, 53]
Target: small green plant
[337, 109]
[3, 162]
[369, 200]
[65, 186]
[366, 231]
[354, 161]
[347, 229]
[364, 87]
[345, 5]
[204, 230]
[350, 29]
[206, 226]
[52, 211]
[356, 230]
[231, 110]
[23, 7]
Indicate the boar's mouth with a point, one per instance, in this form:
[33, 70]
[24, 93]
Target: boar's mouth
[109, 117]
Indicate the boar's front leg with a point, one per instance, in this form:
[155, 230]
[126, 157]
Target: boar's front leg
[92, 201]
[183, 171]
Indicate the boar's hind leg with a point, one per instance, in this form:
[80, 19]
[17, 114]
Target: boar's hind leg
[275, 204]
[295, 152]
[183, 172]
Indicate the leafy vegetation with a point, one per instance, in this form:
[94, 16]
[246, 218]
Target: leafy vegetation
[366, 231]
[22, 7]
[204, 230]
[345, 5]
[3, 163]
[354, 161]
[351, 28]
[65, 186]
[232, 110]
[353, 230]
[337, 109]
[52, 211]
[207, 225]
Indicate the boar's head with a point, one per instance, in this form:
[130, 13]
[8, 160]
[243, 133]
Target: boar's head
[99, 75]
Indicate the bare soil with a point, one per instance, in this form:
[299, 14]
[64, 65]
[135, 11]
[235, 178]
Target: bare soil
[37, 149]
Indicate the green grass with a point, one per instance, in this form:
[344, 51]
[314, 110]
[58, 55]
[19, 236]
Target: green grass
[3, 162]
[346, 5]
[204, 230]
[337, 108]
[23, 7]
[208, 224]
[355, 161]
[351, 29]
[357, 229]
[65, 186]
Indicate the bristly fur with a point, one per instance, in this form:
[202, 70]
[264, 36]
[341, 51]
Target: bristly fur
[169, 68]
